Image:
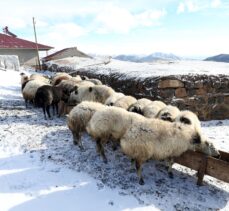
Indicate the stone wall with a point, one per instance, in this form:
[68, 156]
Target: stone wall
[206, 95]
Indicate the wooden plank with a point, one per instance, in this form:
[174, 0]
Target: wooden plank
[218, 168]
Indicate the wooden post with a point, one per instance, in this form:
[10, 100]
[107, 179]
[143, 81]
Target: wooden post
[38, 58]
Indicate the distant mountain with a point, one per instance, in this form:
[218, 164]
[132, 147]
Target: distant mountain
[149, 58]
[219, 58]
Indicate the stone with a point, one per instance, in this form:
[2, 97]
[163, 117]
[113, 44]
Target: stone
[170, 83]
[201, 91]
[180, 92]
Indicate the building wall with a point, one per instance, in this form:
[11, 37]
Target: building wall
[26, 56]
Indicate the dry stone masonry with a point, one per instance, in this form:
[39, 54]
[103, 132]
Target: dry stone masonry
[206, 95]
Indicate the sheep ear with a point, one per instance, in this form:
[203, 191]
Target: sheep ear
[90, 89]
[196, 139]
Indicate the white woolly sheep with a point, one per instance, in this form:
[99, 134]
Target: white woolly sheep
[96, 93]
[125, 102]
[157, 139]
[111, 122]
[94, 81]
[30, 89]
[113, 98]
[191, 119]
[168, 113]
[151, 110]
[39, 77]
[69, 86]
[24, 79]
[59, 77]
[79, 117]
[138, 106]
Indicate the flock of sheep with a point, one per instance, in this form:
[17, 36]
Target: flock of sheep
[144, 129]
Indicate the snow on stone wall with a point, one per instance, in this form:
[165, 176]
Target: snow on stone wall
[9, 62]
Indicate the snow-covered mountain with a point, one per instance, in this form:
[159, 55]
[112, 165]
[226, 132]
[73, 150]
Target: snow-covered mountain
[218, 58]
[148, 58]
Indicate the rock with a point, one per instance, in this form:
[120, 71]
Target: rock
[170, 83]
[180, 92]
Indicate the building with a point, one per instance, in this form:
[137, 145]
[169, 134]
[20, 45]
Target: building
[24, 49]
[67, 52]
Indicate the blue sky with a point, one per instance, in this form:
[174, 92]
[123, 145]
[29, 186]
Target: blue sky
[189, 28]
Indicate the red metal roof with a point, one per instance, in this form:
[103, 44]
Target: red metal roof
[9, 42]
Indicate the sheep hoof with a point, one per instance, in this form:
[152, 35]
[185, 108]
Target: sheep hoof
[81, 148]
[105, 160]
[171, 175]
[141, 182]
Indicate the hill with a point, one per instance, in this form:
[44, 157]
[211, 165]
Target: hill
[219, 58]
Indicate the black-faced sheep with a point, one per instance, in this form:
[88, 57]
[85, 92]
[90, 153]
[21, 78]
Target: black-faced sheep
[168, 113]
[138, 106]
[96, 93]
[125, 102]
[113, 98]
[111, 122]
[151, 110]
[49, 95]
[157, 139]
[79, 117]
[191, 119]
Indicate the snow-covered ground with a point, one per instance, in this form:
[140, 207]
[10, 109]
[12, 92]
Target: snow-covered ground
[41, 169]
[143, 70]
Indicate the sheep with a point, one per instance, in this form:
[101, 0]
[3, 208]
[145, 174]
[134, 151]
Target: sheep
[113, 98]
[24, 80]
[191, 119]
[59, 77]
[96, 93]
[94, 81]
[29, 89]
[79, 117]
[111, 122]
[168, 113]
[69, 86]
[157, 139]
[39, 77]
[125, 102]
[49, 95]
[152, 109]
[139, 105]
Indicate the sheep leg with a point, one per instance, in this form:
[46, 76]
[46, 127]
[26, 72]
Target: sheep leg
[43, 107]
[170, 164]
[26, 103]
[77, 140]
[138, 165]
[47, 110]
[53, 109]
[100, 150]
[56, 106]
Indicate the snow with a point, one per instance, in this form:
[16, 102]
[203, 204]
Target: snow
[41, 169]
[143, 70]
